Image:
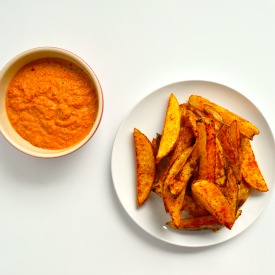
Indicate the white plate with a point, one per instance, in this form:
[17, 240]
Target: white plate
[148, 117]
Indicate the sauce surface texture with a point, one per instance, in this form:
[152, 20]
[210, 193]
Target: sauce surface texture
[52, 103]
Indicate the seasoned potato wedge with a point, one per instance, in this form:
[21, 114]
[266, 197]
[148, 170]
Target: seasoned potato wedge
[230, 153]
[214, 202]
[243, 193]
[145, 166]
[221, 165]
[182, 178]
[232, 190]
[246, 128]
[197, 223]
[171, 128]
[185, 140]
[174, 205]
[210, 150]
[192, 208]
[249, 167]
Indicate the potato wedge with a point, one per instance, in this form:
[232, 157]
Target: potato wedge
[214, 202]
[243, 193]
[220, 169]
[187, 171]
[145, 166]
[231, 192]
[246, 128]
[171, 128]
[249, 167]
[177, 165]
[174, 205]
[197, 223]
[201, 143]
[231, 154]
[185, 140]
[191, 121]
[192, 208]
[210, 149]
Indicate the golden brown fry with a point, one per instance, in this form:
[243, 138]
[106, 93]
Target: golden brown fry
[145, 166]
[177, 165]
[249, 167]
[185, 140]
[171, 128]
[201, 143]
[191, 121]
[183, 110]
[233, 135]
[197, 223]
[187, 171]
[174, 205]
[231, 192]
[192, 208]
[231, 155]
[243, 193]
[220, 169]
[210, 150]
[246, 127]
[214, 202]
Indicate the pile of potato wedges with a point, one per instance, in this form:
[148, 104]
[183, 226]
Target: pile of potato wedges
[202, 164]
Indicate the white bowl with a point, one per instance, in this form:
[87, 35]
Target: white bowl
[7, 74]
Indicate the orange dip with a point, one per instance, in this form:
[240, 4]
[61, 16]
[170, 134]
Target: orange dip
[52, 103]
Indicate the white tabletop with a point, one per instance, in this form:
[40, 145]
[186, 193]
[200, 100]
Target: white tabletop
[62, 216]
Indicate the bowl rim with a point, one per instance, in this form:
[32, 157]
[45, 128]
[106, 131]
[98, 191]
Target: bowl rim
[43, 52]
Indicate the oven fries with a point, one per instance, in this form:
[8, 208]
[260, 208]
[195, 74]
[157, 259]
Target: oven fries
[145, 166]
[202, 165]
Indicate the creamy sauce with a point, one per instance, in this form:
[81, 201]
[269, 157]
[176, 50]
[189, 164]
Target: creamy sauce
[52, 103]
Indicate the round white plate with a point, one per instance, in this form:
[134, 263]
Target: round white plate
[148, 117]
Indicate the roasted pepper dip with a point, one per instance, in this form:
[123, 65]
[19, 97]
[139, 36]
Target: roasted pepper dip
[52, 103]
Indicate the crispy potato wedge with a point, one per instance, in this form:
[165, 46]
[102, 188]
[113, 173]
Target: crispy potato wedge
[197, 223]
[214, 202]
[191, 121]
[246, 128]
[230, 153]
[187, 171]
[192, 208]
[210, 149]
[232, 190]
[243, 193]
[233, 135]
[249, 167]
[183, 110]
[171, 128]
[220, 169]
[201, 141]
[145, 166]
[161, 167]
[174, 205]
[185, 140]
[177, 165]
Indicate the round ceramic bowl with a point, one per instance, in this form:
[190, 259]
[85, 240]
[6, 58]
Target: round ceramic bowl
[6, 75]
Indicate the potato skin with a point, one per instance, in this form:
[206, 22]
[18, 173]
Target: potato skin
[214, 202]
[145, 166]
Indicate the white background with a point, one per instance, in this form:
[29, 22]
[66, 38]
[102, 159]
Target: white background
[62, 216]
